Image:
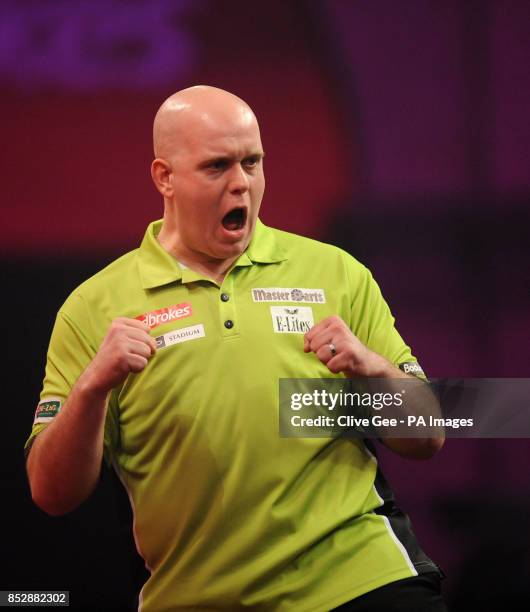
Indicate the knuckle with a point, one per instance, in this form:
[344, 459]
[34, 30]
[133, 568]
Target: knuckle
[322, 355]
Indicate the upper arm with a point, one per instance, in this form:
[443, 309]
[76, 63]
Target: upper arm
[373, 322]
[71, 349]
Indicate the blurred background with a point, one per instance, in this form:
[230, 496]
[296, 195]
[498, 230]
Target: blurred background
[396, 130]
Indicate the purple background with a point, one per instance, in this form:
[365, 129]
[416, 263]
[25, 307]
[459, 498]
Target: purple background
[398, 130]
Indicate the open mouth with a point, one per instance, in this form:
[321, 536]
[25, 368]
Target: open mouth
[234, 219]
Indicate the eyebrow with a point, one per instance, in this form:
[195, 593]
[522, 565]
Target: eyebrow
[229, 158]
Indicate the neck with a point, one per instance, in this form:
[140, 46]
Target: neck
[215, 269]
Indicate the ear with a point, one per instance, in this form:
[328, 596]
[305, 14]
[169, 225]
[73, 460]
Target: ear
[161, 175]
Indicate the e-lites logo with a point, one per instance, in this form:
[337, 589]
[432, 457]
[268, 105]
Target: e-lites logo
[291, 320]
[165, 315]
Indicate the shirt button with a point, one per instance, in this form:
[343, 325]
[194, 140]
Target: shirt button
[229, 324]
[225, 297]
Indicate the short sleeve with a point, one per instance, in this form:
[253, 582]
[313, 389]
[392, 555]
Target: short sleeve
[70, 351]
[374, 325]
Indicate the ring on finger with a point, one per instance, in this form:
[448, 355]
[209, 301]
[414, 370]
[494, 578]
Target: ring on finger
[332, 348]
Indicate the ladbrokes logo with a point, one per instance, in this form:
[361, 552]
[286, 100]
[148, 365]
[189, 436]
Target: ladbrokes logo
[165, 315]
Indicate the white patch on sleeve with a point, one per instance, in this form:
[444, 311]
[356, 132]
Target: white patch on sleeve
[47, 409]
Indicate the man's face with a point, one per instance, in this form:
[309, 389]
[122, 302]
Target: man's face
[218, 184]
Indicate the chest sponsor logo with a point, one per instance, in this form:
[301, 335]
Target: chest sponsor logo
[297, 320]
[47, 410]
[180, 335]
[165, 315]
[287, 294]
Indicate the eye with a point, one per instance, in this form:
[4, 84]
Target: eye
[218, 164]
[251, 162]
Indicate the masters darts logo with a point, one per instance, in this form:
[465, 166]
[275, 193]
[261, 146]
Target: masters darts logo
[288, 294]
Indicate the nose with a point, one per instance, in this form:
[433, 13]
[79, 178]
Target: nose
[238, 180]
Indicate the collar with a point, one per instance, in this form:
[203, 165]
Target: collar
[157, 267]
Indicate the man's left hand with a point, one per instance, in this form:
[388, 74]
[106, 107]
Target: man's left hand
[340, 350]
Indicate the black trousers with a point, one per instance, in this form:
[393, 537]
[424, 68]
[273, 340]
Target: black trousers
[417, 594]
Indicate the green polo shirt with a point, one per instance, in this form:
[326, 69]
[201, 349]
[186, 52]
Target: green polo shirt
[227, 514]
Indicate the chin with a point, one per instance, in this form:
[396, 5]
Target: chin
[233, 250]
[228, 249]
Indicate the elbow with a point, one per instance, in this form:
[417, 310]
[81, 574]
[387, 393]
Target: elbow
[426, 448]
[49, 505]
[415, 448]
[54, 496]
[50, 510]
[437, 444]
[44, 497]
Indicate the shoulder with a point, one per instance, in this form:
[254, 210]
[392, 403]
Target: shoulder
[310, 252]
[120, 269]
[114, 282]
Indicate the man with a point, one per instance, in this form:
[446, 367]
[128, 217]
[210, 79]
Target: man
[167, 364]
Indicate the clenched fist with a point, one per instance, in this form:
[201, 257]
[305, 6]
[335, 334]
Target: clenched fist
[126, 348]
[340, 350]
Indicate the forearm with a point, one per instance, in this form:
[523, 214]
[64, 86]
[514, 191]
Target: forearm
[341, 351]
[420, 401]
[65, 461]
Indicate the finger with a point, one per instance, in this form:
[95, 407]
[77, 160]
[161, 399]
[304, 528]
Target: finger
[139, 348]
[141, 336]
[323, 338]
[152, 344]
[317, 328]
[133, 323]
[137, 363]
[333, 325]
[336, 364]
[318, 337]
[324, 354]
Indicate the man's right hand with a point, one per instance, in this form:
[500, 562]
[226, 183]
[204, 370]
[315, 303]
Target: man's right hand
[126, 348]
[65, 461]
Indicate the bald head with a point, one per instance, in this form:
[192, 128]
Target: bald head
[187, 112]
[208, 167]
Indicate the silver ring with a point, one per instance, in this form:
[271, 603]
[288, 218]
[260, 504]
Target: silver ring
[332, 348]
